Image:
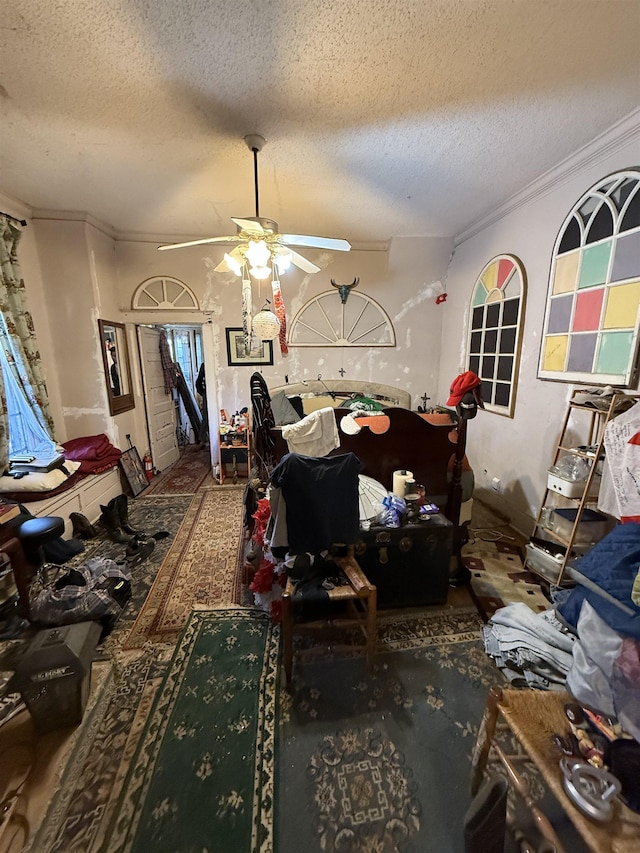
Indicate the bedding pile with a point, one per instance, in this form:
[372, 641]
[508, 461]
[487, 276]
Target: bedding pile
[95, 453]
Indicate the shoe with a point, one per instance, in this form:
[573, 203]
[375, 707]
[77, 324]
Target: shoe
[122, 504]
[486, 819]
[110, 520]
[82, 527]
[138, 550]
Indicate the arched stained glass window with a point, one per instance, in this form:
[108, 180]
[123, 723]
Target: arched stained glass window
[495, 328]
[593, 301]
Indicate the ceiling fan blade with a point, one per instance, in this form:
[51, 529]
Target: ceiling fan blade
[303, 263]
[248, 224]
[203, 242]
[332, 243]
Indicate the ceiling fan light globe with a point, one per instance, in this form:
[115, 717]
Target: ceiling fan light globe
[260, 273]
[233, 264]
[258, 253]
[282, 261]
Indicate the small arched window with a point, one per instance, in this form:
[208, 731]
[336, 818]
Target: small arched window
[163, 293]
[593, 300]
[495, 331]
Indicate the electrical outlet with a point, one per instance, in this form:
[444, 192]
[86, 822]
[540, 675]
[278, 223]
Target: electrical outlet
[496, 485]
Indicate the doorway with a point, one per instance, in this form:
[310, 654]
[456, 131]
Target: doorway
[172, 419]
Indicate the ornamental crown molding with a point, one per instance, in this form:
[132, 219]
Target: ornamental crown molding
[614, 138]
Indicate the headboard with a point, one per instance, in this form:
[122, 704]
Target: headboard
[342, 389]
[410, 442]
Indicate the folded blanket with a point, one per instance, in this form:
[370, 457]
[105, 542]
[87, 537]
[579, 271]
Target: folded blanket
[87, 447]
[94, 452]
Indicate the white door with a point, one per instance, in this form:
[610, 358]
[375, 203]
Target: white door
[160, 407]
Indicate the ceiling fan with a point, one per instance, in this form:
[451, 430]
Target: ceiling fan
[258, 241]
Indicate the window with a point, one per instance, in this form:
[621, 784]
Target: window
[593, 300]
[26, 433]
[495, 327]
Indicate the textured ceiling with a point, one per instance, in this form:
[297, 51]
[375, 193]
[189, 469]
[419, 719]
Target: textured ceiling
[382, 117]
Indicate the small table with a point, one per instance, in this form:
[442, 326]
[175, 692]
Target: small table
[234, 454]
[533, 717]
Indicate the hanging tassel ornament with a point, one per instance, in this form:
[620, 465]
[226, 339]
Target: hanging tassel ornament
[280, 313]
[247, 307]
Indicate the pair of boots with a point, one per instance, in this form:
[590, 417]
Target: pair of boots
[115, 520]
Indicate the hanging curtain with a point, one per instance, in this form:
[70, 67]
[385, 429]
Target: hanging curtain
[17, 337]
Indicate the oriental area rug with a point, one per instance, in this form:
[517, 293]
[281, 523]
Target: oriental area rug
[200, 569]
[498, 577]
[186, 476]
[200, 748]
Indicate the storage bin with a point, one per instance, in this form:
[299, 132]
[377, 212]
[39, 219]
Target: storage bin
[543, 562]
[570, 488]
[593, 525]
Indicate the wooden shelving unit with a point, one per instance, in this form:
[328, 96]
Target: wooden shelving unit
[550, 551]
[238, 456]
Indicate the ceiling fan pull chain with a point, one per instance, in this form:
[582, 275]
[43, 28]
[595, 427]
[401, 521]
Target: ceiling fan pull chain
[247, 307]
[278, 304]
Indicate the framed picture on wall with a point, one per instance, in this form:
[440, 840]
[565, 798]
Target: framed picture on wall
[133, 470]
[237, 353]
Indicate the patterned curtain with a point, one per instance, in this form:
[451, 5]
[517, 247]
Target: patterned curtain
[18, 338]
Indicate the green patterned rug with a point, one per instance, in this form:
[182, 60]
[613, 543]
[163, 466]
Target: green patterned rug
[202, 778]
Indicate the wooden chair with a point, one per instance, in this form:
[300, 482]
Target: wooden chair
[360, 598]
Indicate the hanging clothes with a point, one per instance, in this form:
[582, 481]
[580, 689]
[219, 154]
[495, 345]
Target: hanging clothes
[321, 496]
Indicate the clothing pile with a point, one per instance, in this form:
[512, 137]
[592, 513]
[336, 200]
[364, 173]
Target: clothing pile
[95, 453]
[588, 642]
[94, 591]
[532, 649]
[312, 505]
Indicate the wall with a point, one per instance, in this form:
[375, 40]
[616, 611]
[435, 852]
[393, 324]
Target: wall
[397, 279]
[519, 450]
[77, 285]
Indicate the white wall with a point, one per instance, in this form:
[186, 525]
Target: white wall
[519, 450]
[398, 280]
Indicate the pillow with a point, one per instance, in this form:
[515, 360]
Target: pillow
[312, 403]
[283, 411]
[39, 482]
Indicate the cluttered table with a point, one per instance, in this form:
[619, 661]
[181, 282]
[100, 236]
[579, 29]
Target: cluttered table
[533, 717]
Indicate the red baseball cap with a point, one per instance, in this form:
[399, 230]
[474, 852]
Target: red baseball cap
[467, 381]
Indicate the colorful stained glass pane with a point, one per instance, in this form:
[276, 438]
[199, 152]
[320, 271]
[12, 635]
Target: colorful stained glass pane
[505, 269]
[581, 352]
[480, 295]
[586, 317]
[489, 276]
[560, 314]
[554, 353]
[614, 353]
[595, 263]
[626, 261]
[622, 306]
[566, 273]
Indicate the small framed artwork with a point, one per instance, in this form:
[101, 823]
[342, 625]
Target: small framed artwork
[238, 354]
[133, 470]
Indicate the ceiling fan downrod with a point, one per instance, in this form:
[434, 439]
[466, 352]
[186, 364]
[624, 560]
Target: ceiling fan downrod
[254, 144]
